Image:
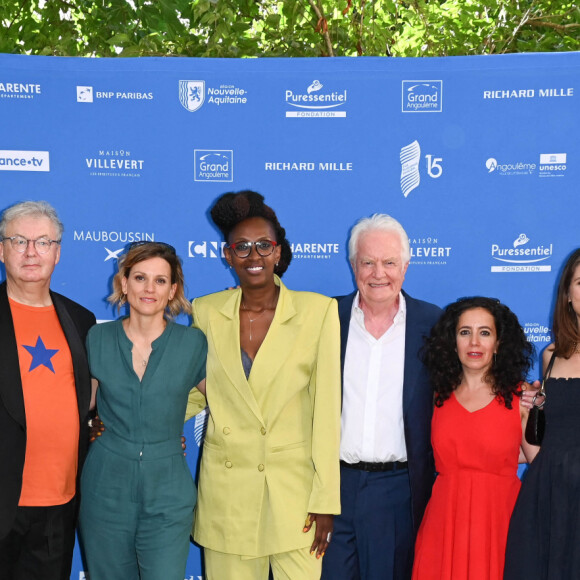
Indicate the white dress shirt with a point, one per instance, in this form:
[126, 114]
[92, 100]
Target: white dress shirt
[372, 398]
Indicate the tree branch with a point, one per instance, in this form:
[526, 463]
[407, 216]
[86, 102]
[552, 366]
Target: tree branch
[322, 26]
[517, 29]
[559, 27]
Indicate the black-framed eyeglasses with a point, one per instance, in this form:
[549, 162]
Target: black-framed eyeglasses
[20, 243]
[168, 247]
[244, 249]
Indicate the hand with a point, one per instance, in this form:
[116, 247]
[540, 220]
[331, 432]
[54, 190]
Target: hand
[96, 428]
[528, 394]
[323, 532]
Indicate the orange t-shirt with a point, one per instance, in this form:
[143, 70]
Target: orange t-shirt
[50, 402]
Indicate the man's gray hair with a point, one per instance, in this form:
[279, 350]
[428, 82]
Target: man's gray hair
[32, 209]
[378, 222]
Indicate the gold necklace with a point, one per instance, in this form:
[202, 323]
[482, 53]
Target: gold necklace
[251, 319]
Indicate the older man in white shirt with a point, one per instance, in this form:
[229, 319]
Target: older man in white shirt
[387, 465]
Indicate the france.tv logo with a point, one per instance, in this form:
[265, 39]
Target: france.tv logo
[422, 96]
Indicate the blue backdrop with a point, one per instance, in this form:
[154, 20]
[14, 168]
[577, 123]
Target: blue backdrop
[477, 157]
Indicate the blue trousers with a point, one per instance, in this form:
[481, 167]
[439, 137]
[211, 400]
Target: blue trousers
[373, 537]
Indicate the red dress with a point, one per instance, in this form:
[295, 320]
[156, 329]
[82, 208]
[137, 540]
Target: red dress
[464, 530]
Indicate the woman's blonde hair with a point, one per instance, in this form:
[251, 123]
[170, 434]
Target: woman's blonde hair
[141, 251]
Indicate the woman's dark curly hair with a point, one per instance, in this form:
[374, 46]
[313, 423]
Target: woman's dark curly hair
[233, 208]
[510, 366]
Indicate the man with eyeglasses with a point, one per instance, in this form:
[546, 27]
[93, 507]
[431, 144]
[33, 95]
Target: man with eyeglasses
[44, 399]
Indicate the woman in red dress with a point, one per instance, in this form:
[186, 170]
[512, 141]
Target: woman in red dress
[477, 356]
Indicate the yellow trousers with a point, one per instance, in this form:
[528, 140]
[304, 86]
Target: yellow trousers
[293, 565]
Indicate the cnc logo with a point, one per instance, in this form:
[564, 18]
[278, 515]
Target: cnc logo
[422, 96]
[206, 249]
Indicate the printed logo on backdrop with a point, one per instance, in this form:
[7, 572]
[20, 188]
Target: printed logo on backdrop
[427, 251]
[410, 157]
[200, 426]
[422, 96]
[536, 332]
[24, 160]
[87, 94]
[9, 90]
[510, 168]
[114, 163]
[113, 241]
[552, 165]
[192, 95]
[84, 94]
[522, 255]
[502, 94]
[316, 101]
[205, 249]
[315, 250]
[213, 165]
[313, 166]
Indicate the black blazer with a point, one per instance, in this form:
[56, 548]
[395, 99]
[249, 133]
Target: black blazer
[75, 322]
[417, 396]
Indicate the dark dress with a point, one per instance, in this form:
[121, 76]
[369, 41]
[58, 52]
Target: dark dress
[544, 533]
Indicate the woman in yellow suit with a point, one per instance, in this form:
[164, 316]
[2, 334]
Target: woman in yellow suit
[269, 481]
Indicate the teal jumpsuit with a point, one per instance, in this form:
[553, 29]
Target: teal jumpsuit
[137, 492]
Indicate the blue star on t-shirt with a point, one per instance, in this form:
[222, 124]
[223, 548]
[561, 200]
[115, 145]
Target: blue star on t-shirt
[40, 355]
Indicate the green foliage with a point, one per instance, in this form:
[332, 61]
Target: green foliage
[254, 28]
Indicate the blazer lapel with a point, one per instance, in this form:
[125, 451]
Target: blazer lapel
[224, 327]
[78, 355]
[276, 348]
[415, 329]
[10, 381]
[344, 312]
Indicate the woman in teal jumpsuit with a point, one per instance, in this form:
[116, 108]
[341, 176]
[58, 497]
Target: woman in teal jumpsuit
[137, 491]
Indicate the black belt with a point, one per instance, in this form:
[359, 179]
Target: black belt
[368, 466]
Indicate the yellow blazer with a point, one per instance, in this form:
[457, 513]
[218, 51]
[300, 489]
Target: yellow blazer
[271, 451]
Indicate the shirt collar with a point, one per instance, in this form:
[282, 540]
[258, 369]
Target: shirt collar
[359, 315]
